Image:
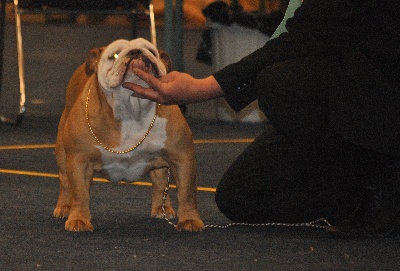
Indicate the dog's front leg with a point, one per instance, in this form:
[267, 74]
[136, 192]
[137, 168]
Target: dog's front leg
[185, 177]
[80, 175]
[63, 205]
[159, 178]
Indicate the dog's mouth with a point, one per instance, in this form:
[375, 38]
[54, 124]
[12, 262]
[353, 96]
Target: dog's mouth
[136, 59]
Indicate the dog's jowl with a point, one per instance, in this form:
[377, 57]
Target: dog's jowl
[104, 128]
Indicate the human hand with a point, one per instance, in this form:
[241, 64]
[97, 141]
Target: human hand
[175, 88]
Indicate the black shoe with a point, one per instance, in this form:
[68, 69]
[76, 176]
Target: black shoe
[374, 217]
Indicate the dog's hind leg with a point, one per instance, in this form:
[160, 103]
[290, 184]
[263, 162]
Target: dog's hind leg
[159, 178]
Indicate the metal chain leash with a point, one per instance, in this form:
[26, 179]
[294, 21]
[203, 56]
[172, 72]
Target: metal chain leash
[321, 223]
[164, 198]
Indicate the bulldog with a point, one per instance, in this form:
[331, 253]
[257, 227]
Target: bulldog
[103, 128]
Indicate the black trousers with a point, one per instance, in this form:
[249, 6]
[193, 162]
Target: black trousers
[303, 170]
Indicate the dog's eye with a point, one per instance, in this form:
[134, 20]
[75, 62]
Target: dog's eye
[153, 52]
[114, 56]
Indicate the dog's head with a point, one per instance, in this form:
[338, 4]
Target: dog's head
[114, 64]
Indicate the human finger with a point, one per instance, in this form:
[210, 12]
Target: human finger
[150, 79]
[141, 92]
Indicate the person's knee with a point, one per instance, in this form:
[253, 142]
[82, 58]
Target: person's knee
[228, 198]
[240, 204]
[223, 197]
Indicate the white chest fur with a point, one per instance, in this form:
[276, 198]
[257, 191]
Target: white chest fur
[132, 166]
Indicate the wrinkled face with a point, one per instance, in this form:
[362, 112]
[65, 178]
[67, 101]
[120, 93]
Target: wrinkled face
[118, 60]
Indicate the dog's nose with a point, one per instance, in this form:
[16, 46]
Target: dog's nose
[135, 53]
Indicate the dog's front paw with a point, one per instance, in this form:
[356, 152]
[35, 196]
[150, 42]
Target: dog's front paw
[61, 211]
[190, 225]
[159, 213]
[78, 225]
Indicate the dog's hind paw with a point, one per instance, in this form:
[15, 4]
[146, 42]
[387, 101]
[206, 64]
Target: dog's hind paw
[190, 225]
[61, 211]
[78, 225]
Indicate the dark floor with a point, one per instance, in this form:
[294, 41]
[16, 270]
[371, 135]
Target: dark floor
[125, 237]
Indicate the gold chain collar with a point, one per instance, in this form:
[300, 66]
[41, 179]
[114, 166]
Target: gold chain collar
[107, 148]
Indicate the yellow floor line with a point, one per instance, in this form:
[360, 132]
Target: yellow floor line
[102, 180]
[196, 141]
[26, 147]
[226, 140]
[50, 175]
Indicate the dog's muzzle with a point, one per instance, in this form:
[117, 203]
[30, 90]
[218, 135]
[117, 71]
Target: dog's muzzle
[139, 60]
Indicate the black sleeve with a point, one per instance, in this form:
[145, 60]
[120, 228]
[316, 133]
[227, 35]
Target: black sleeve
[237, 80]
[317, 28]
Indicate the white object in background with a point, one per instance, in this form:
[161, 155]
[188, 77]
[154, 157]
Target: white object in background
[230, 44]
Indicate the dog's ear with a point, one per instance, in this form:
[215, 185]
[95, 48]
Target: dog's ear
[92, 59]
[166, 59]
